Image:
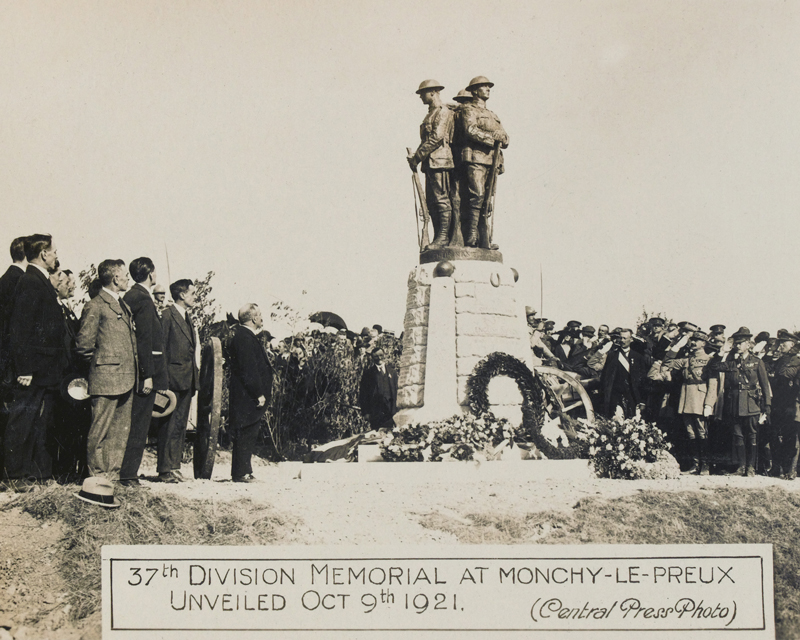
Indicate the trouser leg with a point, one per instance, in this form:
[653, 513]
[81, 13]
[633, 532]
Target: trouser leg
[108, 435]
[244, 442]
[30, 418]
[172, 433]
[141, 415]
[476, 184]
[437, 194]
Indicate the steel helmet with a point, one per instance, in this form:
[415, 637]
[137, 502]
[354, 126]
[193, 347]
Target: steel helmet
[477, 81]
[463, 96]
[430, 85]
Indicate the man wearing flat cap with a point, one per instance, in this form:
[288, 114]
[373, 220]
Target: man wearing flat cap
[694, 389]
[436, 157]
[785, 383]
[481, 129]
[746, 400]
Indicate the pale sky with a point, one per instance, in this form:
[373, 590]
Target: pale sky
[653, 159]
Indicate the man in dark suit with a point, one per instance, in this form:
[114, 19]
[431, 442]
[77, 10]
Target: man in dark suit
[152, 369]
[8, 285]
[250, 390]
[624, 376]
[39, 359]
[107, 341]
[180, 344]
[377, 394]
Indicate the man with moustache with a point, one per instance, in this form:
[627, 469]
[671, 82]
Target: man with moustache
[108, 343]
[624, 376]
[180, 344]
[152, 368]
[39, 358]
[250, 390]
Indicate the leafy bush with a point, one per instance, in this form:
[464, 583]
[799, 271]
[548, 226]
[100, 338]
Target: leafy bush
[629, 448]
[461, 437]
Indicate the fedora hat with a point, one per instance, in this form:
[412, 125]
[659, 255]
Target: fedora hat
[74, 388]
[99, 491]
[164, 404]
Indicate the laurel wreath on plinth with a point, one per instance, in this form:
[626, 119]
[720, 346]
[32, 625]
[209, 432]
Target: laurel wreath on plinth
[534, 396]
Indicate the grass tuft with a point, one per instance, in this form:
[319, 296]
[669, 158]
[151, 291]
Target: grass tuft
[721, 516]
[144, 519]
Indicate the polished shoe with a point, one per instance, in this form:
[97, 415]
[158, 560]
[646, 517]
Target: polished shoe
[738, 472]
[177, 474]
[168, 477]
[248, 478]
[130, 482]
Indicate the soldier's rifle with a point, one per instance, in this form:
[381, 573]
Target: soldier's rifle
[423, 238]
[488, 198]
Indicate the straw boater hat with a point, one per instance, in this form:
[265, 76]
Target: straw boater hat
[99, 491]
[165, 403]
[74, 389]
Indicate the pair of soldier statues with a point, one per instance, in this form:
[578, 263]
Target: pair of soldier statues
[460, 153]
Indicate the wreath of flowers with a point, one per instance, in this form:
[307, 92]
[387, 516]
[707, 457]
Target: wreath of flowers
[534, 398]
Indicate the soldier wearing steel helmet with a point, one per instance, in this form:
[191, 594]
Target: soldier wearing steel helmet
[481, 128]
[436, 157]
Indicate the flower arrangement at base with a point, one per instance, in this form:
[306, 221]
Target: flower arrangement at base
[629, 448]
[460, 437]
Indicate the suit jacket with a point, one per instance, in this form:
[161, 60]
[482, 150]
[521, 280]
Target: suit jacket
[377, 394]
[745, 386]
[37, 330]
[8, 286]
[179, 349]
[108, 342]
[639, 366]
[149, 336]
[251, 377]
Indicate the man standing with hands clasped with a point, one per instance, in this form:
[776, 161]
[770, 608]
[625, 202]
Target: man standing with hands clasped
[250, 390]
[179, 350]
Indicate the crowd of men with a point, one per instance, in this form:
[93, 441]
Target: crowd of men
[728, 404]
[134, 350]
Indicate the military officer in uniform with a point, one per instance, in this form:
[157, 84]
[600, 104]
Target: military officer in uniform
[481, 129]
[746, 398]
[436, 157]
[784, 428]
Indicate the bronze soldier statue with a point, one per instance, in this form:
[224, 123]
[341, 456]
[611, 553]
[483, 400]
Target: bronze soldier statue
[481, 129]
[436, 157]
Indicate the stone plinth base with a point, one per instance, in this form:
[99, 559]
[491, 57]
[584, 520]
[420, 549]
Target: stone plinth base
[457, 313]
[439, 472]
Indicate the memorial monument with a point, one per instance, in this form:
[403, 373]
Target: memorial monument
[463, 302]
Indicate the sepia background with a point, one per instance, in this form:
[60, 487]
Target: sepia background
[653, 159]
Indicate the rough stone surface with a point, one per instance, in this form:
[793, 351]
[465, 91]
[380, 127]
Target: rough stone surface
[416, 317]
[412, 355]
[418, 296]
[415, 374]
[480, 304]
[410, 396]
[416, 336]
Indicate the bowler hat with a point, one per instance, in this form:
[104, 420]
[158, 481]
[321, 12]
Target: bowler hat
[430, 85]
[478, 81]
[99, 491]
[164, 404]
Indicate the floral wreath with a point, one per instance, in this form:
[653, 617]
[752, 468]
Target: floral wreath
[534, 393]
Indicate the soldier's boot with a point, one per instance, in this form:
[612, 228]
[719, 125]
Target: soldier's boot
[703, 470]
[751, 459]
[740, 461]
[472, 237]
[695, 458]
[441, 238]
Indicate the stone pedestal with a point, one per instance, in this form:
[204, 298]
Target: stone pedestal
[462, 305]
